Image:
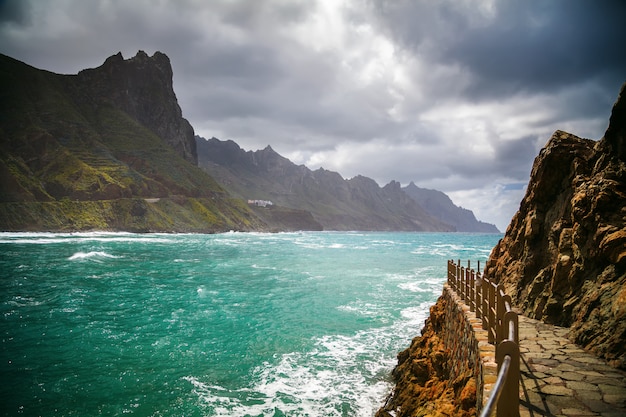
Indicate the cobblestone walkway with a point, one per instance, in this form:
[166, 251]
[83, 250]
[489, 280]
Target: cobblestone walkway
[559, 378]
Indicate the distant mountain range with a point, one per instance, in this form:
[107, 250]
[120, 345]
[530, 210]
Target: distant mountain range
[337, 204]
[108, 149]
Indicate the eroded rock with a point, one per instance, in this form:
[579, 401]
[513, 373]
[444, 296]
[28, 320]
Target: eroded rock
[423, 385]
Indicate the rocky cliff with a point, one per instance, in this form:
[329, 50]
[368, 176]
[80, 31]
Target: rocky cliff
[423, 382]
[107, 148]
[563, 257]
[142, 87]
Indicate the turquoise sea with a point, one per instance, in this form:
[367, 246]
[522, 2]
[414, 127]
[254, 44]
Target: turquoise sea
[235, 324]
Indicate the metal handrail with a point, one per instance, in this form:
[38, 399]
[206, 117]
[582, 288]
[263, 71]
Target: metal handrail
[494, 308]
[489, 408]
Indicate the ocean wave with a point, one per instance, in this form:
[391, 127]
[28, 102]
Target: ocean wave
[45, 238]
[92, 254]
[20, 301]
[423, 285]
[339, 375]
[414, 287]
[302, 384]
[369, 310]
[271, 268]
[416, 315]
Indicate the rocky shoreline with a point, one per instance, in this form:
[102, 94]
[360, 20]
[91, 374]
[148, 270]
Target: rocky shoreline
[422, 376]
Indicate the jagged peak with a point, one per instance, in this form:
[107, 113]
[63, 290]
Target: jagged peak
[229, 143]
[321, 171]
[269, 152]
[142, 87]
[615, 135]
[393, 186]
[113, 59]
[160, 60]
[360, 179]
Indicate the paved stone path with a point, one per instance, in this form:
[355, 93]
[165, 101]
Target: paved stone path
[559, 378]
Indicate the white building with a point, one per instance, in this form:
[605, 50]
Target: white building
[260, 203]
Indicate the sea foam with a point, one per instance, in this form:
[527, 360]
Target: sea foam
[92, 254]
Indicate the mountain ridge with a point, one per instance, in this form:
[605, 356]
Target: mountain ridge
[142, 86]
[439, 205]
[358, 203]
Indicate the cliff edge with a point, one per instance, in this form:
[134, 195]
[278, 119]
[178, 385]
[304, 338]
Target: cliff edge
[423, 381]
[563, 257]
[142, 87]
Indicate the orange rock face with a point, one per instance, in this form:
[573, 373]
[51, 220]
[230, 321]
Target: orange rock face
[423, 386]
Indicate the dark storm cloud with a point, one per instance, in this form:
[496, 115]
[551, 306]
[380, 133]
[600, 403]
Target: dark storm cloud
[14, 11]
[259, 15]
[538, 46]
[252, 67]
[519, 45]
[510, 159]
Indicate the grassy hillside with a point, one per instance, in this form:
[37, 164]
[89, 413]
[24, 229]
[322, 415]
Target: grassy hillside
[71, 159]
[180, 214]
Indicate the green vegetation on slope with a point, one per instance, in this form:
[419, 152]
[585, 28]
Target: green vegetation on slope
[180, 214]
[71, 159]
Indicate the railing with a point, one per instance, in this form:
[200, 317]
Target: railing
[493, 307]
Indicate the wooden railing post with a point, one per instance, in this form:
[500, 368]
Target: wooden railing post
[472, 290]
[461, 281]
[506, 306]
[500, 331]
[479, 294]
[467, 294]
[492, 314]
[511, 320]
[485, 292]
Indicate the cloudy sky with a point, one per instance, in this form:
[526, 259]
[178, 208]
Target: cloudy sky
[456, 95]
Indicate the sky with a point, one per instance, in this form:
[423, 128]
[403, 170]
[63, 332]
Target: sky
[454, 95]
